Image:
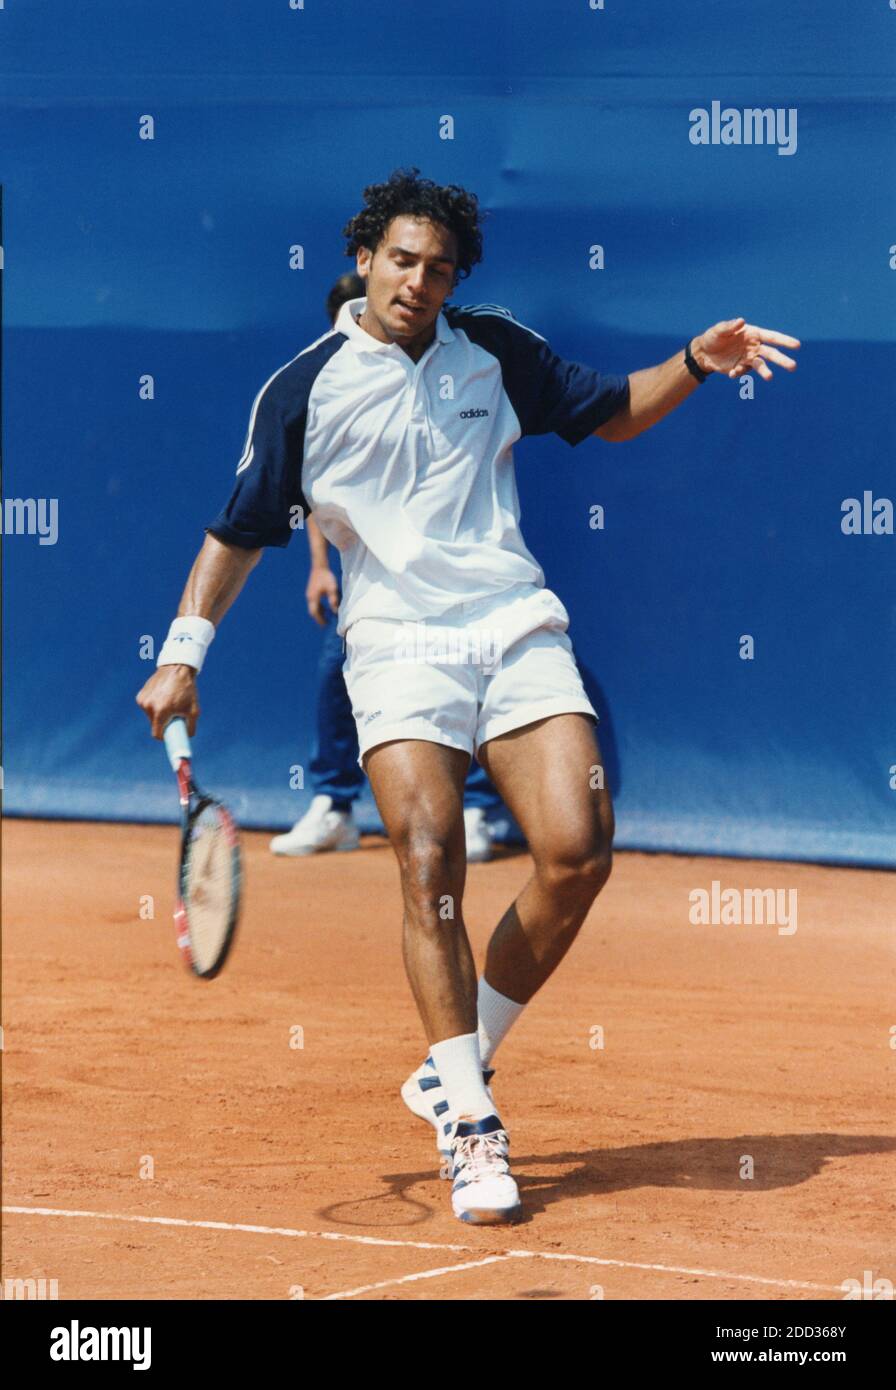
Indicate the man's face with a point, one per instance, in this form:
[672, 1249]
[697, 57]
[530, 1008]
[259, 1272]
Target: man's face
[408, 278]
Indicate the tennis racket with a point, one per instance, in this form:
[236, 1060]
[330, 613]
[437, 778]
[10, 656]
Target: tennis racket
[210, 877]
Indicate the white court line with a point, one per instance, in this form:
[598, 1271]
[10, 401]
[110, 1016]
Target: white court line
[676, 1269]
[419, 1245]
[424, 1274]
[231, 1226]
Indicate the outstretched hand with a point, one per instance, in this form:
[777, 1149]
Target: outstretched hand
[734, 347]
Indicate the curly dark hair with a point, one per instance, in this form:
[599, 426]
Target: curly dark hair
[406, 194]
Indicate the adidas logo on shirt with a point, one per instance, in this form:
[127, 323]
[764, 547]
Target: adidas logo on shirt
[472, 414]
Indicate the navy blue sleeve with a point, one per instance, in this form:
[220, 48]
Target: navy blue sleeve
[549, 394]
[555, 396]
[266, 504]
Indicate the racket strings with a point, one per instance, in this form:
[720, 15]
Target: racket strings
[210, 886]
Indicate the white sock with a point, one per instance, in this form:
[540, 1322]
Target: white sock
[460, 1072]
[497, 1015]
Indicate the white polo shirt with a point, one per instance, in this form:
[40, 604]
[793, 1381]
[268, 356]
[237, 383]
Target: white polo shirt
[408, 466]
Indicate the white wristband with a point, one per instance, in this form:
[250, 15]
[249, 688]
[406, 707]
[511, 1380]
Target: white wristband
[187, 642]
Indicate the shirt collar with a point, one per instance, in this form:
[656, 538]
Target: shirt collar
[364, 341]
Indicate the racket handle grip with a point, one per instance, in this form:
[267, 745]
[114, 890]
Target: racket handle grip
[177, 742]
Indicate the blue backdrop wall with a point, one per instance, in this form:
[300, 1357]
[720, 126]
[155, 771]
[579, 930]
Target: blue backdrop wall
[170, 257]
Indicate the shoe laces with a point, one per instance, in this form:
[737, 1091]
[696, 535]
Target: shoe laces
[481, 1154]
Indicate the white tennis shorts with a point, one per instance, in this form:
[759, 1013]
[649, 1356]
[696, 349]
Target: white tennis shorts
[478, 671]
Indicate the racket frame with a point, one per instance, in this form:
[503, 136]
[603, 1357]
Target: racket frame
[193, 801]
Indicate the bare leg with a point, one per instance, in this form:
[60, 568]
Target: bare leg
[544, 774]
[419, 791]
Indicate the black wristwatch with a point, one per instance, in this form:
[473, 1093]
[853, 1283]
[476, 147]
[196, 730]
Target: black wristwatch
[691, 365]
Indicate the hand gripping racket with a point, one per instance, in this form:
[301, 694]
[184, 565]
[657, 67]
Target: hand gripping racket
[208, 890]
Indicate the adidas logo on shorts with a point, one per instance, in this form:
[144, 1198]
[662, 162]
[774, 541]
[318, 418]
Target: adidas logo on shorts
[472, 414]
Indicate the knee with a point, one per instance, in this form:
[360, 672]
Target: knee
[430, 864]
[576, 871]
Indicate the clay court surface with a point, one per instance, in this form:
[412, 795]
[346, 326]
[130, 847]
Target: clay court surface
[720, 1042]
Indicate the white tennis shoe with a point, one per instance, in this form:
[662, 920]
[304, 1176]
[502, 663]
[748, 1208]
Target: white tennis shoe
[425, 1097]
[321, 828]
[483, 1193]
[479, 836]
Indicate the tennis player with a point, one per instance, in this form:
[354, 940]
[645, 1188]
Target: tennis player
[397, 428]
